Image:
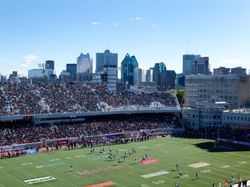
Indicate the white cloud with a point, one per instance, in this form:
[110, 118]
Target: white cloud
[95, 23]
[115, 24]
[137, 18]
[28, 61]
[232, 62]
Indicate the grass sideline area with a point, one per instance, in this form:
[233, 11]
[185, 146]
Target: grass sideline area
[82, 167]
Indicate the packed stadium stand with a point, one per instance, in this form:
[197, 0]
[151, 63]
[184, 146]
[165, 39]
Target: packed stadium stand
[93, 126]
[41, 112]
[25, 98]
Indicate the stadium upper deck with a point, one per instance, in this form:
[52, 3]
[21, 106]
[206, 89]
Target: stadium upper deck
[51, 98]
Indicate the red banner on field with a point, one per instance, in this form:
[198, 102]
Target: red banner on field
[103, 184]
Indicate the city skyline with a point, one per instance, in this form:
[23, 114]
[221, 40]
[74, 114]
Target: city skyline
[155, 31]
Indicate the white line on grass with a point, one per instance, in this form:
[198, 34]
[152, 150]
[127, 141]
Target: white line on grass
[51, 174]
[11, 176]
[23, 170]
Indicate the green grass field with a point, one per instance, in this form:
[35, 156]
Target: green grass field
[92, 168]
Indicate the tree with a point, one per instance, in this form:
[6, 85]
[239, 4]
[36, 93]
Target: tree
[180, 96]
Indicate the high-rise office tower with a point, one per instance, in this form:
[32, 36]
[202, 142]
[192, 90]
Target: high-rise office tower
[187, 63]
[84, 67]
[201, 66]
[50, 64]
[149, 75]
[72, 69]
[106, 69]
[195, 64]
[105, 59]
[128, 67]
[171, 77]
[160, 76]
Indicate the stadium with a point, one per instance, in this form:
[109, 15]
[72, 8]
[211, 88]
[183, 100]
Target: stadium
[70, 134]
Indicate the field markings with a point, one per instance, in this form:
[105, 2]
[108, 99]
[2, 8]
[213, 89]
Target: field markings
[199, 165]
[26, 163]
[50, 173]
[155, 174]
[157, 145]
[185, 176]
[209, 157]
[101, 177]
[141, 182]
[11, 176]
[225, 166]
[53, 160]
[23, 170]
[142, 147]
[39, 180]
[211, 160]
[123, 150]
[99, 170]
[185, 159]
[242, 162]
[159, 182]
[205, 171]
[97, 157]
[38, 167]
[80, 156]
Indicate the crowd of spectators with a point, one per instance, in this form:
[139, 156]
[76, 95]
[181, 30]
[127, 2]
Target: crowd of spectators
[98, 126]
[37, 98]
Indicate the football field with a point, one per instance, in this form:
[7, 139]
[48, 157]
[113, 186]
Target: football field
[83, 167]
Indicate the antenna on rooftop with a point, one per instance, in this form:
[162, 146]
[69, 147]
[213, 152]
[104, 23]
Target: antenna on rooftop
[41, 65]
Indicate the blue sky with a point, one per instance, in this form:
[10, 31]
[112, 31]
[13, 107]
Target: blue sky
[32, 31]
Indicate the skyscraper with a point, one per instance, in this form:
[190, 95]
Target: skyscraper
[138, 76]
[195, 64]
[106, 69]
[187, 63]
[105, 59]
[149, 75]
[49, 68]
[129, 64]
[50, 64]
[160, 76]
[72, 69]
[84, 67]
[171, 76]
[201, 66]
